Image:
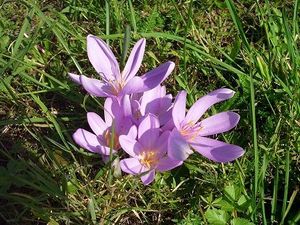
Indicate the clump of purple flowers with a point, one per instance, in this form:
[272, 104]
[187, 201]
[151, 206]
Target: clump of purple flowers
[144, 121]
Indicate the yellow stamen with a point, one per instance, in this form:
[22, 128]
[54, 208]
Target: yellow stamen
[148, 158]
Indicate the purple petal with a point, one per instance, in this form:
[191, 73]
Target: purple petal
[135, 59]
[165, 117]
[167, 163]
[162, 143]
[96, 123]
[74, 77]
[148, 97]
[87, 140]
[132, 133]
[219, 123]
[108, 116]
[131, 166]
[217, 151]
[178, 147]
[149, 138]
[178, 112]
[149, 122]
[204, 103]
[92, 86]
[102, 58]
[168, 126]
[129, 145]
[149, 80]
[126, 106]
[148, 177]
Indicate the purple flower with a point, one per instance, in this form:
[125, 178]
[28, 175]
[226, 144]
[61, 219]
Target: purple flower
[117, 122]
[148, 151]
[113, 82]
[191, 133]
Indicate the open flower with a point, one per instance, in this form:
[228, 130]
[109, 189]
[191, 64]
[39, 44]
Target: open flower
[113, 82]
[149, 152]
[191, 133]
[106, 133]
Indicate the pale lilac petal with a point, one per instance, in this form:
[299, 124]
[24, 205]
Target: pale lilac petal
[87, 140]
[149, 138]
[96, 123]
[167, 163]
[204, 103]
[129, 145]
[132, 133]
[149, 80]
[178, 112]
[74, 77]
[102, 58]
[108, 115]
[117, 109]
[157, 106]
[148, 97]
[148, 177]
[219, 123]
[135, 59]
[131, 166]
[149, 122]
[161, 144]
[126, 106]
[93, 86]
[217, 151]
[178, 148]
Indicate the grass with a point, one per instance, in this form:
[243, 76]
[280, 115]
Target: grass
[251, 47]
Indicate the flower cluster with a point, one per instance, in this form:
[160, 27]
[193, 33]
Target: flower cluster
[144, 121]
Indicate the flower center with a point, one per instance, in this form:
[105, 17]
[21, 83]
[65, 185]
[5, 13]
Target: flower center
[191, 130]
[148, 159]
[116, 86]
[111, 139]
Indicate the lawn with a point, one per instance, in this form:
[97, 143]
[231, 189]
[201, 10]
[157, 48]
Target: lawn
[250, 47]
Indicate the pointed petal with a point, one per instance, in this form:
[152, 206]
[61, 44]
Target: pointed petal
[149, 122]
[129, 145]
[74, 77]
[148, 177]
[204, 103]
[167, 163]
[132, 133]
[92, 86]
[131, 166]
[178, 112]
[178, 147]
[149, 80]
[135, 59]
[217, 151]
[102, 58]
[87, 140]
[96, 123]
[219, 123]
